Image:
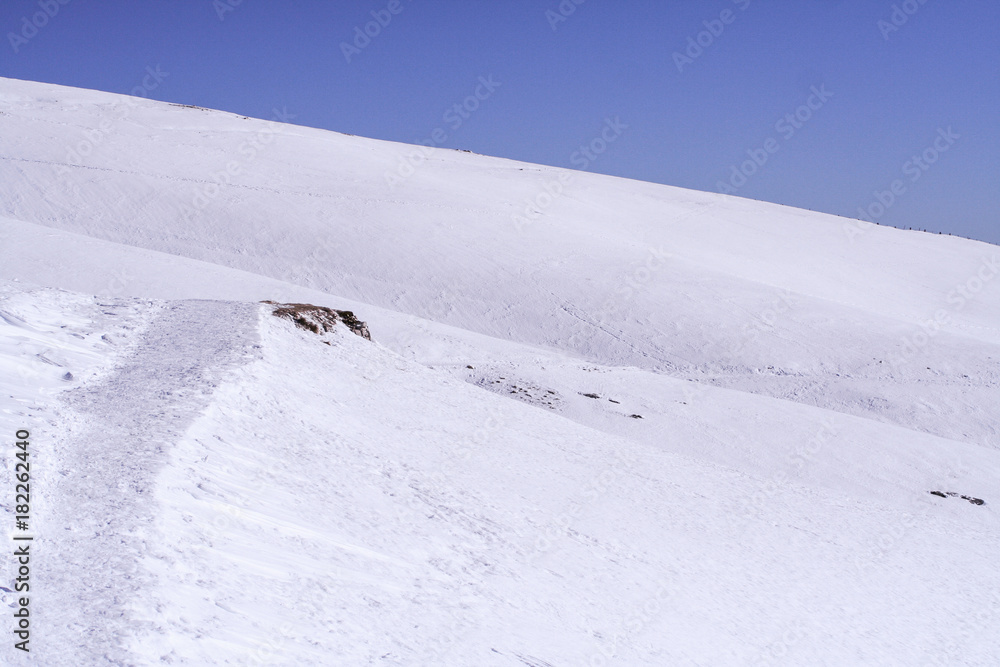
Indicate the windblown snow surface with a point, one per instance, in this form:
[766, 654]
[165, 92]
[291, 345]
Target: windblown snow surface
[599, 422]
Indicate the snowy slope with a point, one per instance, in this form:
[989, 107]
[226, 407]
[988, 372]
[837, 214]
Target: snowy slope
[288, 525]
[711, 287]
[652, 426]
[313, 204]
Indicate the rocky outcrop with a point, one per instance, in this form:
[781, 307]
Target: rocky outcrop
[319, 319]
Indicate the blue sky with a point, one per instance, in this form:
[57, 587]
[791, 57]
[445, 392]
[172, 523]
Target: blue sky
[828, 105]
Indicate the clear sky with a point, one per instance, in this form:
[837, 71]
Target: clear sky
[904, 94]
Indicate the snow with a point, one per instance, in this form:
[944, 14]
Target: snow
[217, 486]
[124, 424]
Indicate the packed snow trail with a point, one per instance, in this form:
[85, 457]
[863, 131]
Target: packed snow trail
[97, 530]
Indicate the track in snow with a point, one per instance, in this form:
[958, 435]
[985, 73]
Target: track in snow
[97, 530]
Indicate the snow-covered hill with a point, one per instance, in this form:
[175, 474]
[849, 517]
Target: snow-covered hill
[633, 425]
